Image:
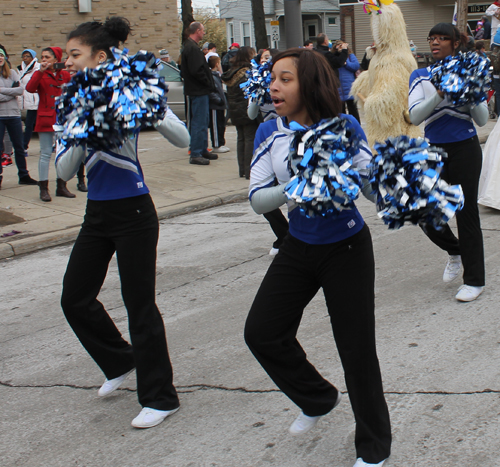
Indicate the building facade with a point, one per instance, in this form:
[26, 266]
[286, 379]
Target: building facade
[317, 16]
[420, 17]
[36, 24]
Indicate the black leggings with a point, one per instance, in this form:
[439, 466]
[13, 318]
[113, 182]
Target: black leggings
[346, 272]
[463, 167]
[128, 227]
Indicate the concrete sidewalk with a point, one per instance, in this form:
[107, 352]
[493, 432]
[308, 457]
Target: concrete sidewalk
[176, 186]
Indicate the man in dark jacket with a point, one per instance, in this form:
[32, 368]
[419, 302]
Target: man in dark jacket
[198, 84]
[336, 61]
[486, 27]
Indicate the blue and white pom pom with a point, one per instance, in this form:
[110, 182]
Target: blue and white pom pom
[104, 106]
[323, 180]
[256, 87]
[464, 78]
[405, 175]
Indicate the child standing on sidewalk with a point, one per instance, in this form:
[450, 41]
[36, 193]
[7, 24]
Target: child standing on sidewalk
[217, 106]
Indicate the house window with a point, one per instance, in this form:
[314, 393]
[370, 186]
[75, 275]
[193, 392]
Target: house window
[230, 33]
[332, 20]
[246, 36]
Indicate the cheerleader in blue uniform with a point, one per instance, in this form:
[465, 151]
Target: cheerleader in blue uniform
[120, 218]
[331, 253]
[451, 127]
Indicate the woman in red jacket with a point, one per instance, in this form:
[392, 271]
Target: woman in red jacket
[48, 83]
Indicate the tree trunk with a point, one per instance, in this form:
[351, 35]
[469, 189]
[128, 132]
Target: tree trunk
[259, 24]
[462, 11]
[187, 17]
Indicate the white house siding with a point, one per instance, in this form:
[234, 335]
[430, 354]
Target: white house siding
[239, 11]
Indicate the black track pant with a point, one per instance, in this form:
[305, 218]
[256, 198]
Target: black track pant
[345, 271]
[128, 227]
[463, 167]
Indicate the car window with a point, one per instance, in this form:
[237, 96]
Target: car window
[170, 73]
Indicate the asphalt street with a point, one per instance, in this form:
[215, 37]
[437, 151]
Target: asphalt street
[439, 358]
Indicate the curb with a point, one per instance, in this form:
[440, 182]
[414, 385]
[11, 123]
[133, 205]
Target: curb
[62, 237]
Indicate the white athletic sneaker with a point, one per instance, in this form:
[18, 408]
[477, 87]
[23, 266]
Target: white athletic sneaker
[273, 251]
[149, 417]
[303, 423]
[220, 150]
[468, 293]
[361, 463]
[111, 385]
[453, 268]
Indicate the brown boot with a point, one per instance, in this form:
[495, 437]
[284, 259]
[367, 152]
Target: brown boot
[44, 190]
[62, 190]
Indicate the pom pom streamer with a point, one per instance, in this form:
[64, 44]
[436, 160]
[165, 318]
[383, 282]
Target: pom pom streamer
[464, 78]
[405, 175]
[104, 106]
[257, 85]
[320, 161]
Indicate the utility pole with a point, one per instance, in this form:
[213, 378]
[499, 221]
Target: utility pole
[462, 10]
[293, 24]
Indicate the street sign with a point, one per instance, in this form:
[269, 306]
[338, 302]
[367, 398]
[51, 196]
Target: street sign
[275, 33]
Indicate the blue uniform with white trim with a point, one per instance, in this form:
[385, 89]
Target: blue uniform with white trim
[271, 147]
[448, 123]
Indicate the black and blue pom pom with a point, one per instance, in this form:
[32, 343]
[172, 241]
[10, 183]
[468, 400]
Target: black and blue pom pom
[256, 87]
[464, 78]
[405, 175]
[104, 106]
[320, 161]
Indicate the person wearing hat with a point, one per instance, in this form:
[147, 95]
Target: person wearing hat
[233, 50]
[47, 82]
[10, 118]
[165, 57]
[28, 101]
[204, 49]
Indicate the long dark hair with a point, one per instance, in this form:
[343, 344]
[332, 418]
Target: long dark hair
[317, 82]
[450, 30]
[243, 57]
[102, 36]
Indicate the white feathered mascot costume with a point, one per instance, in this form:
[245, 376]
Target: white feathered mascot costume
[383, 89]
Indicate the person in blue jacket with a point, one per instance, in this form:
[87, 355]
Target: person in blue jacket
[334, 254]
[347, 75]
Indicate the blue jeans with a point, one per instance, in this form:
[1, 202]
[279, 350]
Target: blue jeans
[29, 126]
[15, 129]
[46, 144]
[198, 124]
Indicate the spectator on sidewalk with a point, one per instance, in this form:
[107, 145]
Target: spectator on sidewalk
[486, 27]
[245, 127]
[10, 118]
[347, 75]
[47, 82]
[28, 101]
[308, 45]
[494, 11]
[218, 106]
[335, 61]
[198, 84]
[204, 49]
[212, 51]
[233, 50]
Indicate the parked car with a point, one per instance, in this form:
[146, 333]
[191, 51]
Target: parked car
[175, 95]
